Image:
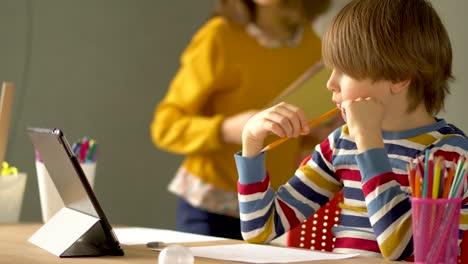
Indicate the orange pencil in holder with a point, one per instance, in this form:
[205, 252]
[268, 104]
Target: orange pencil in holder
[310, 124]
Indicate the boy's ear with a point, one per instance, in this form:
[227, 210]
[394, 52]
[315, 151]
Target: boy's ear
[399, 87]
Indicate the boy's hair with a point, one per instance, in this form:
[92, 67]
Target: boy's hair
[242, 12]
[393, 40]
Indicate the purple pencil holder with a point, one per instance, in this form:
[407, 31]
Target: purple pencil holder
[435, 229]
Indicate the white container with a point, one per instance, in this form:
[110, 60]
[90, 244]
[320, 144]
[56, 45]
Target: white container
[11, 197]
[50, 199]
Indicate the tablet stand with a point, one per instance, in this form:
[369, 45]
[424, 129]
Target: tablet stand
[70, 233]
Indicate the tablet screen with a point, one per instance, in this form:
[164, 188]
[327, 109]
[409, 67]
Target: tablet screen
[68, 176]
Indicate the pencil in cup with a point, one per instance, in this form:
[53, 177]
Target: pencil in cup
[439, 242]
[312, 123]
[441, 181]
[436, 212]
[446, 239]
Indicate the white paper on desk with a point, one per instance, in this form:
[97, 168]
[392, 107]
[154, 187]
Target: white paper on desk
[141, 236]
[253, 253]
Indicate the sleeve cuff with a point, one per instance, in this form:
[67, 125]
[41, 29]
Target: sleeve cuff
[373, 162]
[250, 169]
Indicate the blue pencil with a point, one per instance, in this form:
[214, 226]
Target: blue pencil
[426, 174]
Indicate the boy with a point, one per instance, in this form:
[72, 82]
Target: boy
[391, 62]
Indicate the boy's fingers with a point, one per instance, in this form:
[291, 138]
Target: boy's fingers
[282, 121]
[297, 118]
[275, 128]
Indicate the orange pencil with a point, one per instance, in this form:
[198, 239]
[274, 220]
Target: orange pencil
[411, 177]
[311, 124]
[417, 184]
[418, 177]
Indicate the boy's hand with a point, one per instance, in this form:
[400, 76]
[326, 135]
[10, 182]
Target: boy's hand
[364, 118]
[283, 119]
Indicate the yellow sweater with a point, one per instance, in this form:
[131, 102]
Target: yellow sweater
[225, 71]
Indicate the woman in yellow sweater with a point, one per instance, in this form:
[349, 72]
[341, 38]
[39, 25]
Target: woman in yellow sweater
[238, 62]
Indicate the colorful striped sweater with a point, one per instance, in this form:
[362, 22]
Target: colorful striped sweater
[376, 213]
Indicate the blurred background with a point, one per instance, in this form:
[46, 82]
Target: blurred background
[98, 68]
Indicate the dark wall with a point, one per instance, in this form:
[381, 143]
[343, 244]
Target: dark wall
[98, 68]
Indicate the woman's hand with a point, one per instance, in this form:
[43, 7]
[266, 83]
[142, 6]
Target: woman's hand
[283, 119]
[231, 128]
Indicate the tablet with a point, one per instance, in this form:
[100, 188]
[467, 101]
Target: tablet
[309, 92]
[75, 191]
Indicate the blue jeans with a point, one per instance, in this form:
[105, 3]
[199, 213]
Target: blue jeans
[194, 220]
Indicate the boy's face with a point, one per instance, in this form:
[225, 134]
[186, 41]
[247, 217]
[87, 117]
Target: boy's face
[346, 88]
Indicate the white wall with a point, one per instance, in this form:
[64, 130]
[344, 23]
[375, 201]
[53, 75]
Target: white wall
[453, 14]
[321, 22]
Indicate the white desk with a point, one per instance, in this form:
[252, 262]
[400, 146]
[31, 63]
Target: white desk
[15, 249]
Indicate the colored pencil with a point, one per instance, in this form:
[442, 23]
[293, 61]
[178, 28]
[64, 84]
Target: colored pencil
[449, 179]
[437, 172]
[311, 124]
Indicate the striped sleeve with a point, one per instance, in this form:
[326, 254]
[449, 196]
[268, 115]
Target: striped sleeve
[389, 207]
[265, 214]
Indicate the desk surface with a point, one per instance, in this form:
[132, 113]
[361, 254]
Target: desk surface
[15, 249]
